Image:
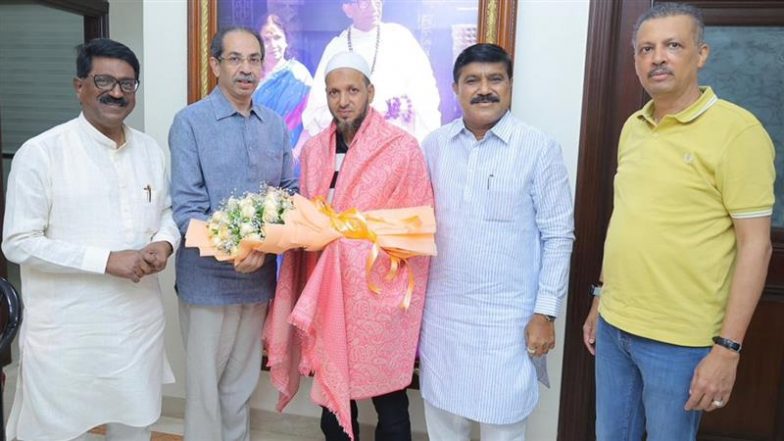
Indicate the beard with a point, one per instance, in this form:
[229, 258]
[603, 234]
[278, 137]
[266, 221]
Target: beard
[350, 127]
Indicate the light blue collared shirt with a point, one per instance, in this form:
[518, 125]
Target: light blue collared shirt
[217, 152]
[504, 238]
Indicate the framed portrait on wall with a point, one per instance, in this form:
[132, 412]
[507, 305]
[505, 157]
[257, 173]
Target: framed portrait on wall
[410, 46]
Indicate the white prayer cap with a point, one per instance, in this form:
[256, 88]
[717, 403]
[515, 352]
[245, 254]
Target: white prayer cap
[351, 60]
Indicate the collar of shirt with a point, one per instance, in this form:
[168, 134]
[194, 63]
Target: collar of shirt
[340, 143]
[707, 99]
[224, 109]
[102, 139]
[501, 130]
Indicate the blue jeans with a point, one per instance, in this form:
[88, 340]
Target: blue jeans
[642, 386]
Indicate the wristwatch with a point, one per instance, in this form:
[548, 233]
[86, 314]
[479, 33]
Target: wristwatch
[727, 343]
[595, 290]
[549, 318]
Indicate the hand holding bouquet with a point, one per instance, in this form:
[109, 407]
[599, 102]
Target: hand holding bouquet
[274, 221]
[244, 219]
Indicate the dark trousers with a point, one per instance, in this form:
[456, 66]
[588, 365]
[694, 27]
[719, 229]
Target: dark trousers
[393, 421]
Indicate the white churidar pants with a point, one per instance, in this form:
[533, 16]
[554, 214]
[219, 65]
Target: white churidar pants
[446, 426]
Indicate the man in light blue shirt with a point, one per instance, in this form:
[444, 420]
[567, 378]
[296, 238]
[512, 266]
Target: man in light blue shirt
[222, 145]
[504, 237]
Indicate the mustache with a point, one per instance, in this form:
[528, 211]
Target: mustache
[659, 70]
[485, 99]
[112, 101]
[245, 77]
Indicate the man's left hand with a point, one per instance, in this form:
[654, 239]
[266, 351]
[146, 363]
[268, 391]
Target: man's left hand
[713, 380]
[539, 335]
[156, 254]
[252, 262]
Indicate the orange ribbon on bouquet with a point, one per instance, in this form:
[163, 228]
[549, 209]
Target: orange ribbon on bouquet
[353, 224]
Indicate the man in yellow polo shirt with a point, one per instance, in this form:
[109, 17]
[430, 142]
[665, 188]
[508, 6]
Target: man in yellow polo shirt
[688, 243]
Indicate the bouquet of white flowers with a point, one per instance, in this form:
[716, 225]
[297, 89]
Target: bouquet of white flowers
[244, 217]
[275, 220]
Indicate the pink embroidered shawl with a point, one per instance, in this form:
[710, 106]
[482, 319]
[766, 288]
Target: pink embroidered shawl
[357, 344]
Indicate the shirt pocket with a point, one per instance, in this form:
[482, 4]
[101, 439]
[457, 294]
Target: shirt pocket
[270, 166]
[148, 207]
[501, 205]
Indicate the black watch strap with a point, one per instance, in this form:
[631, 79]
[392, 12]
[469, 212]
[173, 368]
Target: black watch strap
[549, 318]
[727, 343]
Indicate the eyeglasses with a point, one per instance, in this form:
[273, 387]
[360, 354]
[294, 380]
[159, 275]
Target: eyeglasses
[107, 82]
[236, 60]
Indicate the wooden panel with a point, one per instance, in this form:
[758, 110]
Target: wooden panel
[497, 23]
[754, 409]
[775, 283]
[92, 8]
[96, 27]
[202, 25]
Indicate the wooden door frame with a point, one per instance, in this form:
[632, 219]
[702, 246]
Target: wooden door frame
[95, 13]
[611, 93]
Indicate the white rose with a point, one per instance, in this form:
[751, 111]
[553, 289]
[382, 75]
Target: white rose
[270, 210]
[247, 201]
[219, 217]
[223, 233]
[248, 210]
[246, 228]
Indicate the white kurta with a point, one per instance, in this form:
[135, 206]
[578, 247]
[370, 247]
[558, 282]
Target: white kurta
[406, 90]
[91, 345]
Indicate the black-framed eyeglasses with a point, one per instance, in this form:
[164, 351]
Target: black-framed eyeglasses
[107, 82]
[236, 60]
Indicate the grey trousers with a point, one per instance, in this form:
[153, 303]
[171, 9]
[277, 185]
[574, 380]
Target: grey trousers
[223, 361]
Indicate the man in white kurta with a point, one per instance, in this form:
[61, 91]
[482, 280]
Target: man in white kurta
[88, 219]
[406, 90]
[504, 234]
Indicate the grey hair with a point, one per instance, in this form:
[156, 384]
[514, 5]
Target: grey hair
[216, 45]
[660, 10]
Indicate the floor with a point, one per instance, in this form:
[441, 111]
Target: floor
[276, 427]
[272, 426]
[170, 429]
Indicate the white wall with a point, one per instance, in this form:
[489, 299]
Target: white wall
[126, 25]
[166, 79]
[550, 55]
[548, 89]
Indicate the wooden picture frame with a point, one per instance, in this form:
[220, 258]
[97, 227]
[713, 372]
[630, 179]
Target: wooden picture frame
[496, 24]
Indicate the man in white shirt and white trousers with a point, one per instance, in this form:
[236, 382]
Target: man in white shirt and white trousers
[88, 219]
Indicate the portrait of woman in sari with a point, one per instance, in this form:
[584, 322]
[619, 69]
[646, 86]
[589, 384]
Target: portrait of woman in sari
[286, 82]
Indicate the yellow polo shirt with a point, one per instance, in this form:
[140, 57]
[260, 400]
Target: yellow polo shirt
[670, 248]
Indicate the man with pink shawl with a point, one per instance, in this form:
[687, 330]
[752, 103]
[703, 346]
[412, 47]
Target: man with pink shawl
[325, 320]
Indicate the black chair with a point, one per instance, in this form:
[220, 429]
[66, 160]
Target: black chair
[10, 319]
